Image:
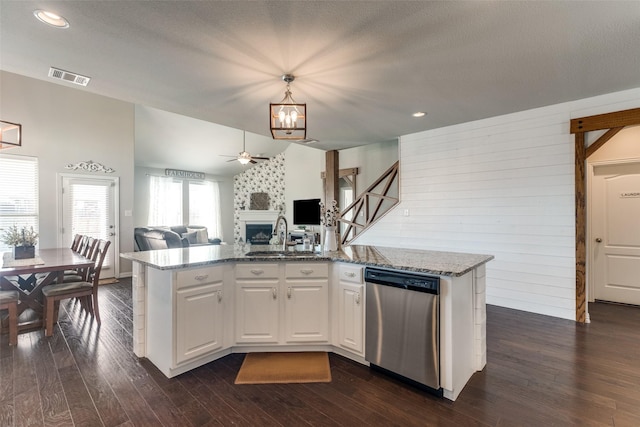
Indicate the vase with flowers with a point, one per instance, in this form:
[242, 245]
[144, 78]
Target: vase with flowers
[329, 219]
[23, 241]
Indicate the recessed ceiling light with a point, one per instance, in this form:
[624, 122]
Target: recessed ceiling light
[51, 18]
[419, 114]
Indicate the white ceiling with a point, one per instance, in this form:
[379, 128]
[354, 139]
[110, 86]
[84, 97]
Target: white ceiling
[362, 67]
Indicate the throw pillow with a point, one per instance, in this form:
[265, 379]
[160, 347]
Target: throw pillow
[191, 237]
[201, 233]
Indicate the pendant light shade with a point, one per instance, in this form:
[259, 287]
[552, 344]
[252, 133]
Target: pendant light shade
[288, 119]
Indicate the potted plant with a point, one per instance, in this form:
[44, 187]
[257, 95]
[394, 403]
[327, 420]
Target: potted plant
[329, 218]
[23, 241]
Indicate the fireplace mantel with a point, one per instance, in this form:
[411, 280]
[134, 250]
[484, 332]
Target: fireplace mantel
[258, 216]
[255, 217]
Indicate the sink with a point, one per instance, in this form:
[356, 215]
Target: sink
[280, 254]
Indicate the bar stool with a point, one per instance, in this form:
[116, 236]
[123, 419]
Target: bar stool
[9, 301]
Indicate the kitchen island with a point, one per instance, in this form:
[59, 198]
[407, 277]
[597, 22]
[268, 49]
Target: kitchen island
[195, 305]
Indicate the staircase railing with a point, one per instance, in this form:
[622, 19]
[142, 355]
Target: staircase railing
[371, 205]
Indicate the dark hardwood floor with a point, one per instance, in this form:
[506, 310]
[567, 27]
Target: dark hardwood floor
[541, 371]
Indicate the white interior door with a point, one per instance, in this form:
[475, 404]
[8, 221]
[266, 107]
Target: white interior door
[89, 206]
[615, 232]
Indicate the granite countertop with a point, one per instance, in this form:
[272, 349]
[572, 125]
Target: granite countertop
[418, 260]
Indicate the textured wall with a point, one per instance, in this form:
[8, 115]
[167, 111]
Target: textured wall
[264, 177]
[502, 186]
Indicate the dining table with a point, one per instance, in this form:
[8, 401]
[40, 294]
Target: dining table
[29, 276]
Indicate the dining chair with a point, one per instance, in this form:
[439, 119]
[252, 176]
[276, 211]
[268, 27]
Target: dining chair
[88, 249]
[82, 244]
[76, 242]
[9, 301]
[86, 246]
[85, 290]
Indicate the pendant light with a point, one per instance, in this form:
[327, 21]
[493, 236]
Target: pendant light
[288, 119]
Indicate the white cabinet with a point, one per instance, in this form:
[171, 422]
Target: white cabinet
[199, 313]
[186, 317]
[306, 307]
[280, 303]
[350, 308]
[199, 320]
[257, 303]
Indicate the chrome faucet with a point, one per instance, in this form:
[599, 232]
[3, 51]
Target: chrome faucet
[286, 230]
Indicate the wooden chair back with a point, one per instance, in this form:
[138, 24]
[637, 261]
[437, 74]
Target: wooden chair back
[91, 251]
[89, 248]
[76, 242]
[83, 244]
[100, 253]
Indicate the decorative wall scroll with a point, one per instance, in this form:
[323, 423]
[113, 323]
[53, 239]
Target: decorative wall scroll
[90, 166]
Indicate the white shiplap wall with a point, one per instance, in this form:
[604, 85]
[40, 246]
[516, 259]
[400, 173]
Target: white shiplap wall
[502, 186]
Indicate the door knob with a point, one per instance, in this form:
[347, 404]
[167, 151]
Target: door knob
[598, 239]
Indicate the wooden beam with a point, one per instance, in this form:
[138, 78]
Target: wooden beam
[343, 172]
[606, 121]
[581, 227]
[332, 178]
[602, 140]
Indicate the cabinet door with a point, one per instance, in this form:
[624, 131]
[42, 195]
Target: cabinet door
[351, 317]
[257, 311]
[199, 321]
[307, 310]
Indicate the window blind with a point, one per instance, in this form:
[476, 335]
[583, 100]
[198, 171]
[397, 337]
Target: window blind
[89, 210]
[18, 193]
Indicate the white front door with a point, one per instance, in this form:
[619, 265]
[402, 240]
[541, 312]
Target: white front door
[89, 206]
[615, 232]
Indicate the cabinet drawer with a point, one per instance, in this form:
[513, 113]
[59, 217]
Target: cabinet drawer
[198, 276]
[306, 270]
[256, 271]
[350, 273]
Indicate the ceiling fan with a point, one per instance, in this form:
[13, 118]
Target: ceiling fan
[244, 157]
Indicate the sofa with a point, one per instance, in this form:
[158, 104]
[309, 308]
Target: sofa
[169, 237]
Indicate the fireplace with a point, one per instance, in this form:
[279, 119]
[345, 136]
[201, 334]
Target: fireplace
[258, 234]
[253, 217]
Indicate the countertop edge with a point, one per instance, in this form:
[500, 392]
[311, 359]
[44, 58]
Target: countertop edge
[465, 267]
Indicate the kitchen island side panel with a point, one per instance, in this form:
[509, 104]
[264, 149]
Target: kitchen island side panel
[457, 333]
[160, 320]
[138, 296]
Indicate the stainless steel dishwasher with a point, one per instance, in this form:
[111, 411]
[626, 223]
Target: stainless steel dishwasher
[403, 325]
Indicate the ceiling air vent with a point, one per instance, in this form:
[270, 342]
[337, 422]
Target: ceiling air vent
[59, 74]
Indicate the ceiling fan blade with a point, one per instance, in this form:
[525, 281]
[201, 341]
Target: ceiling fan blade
[252, 161]
[260, 158]
[232, 160]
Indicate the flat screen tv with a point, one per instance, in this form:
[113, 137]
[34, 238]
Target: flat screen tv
[306, 212]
